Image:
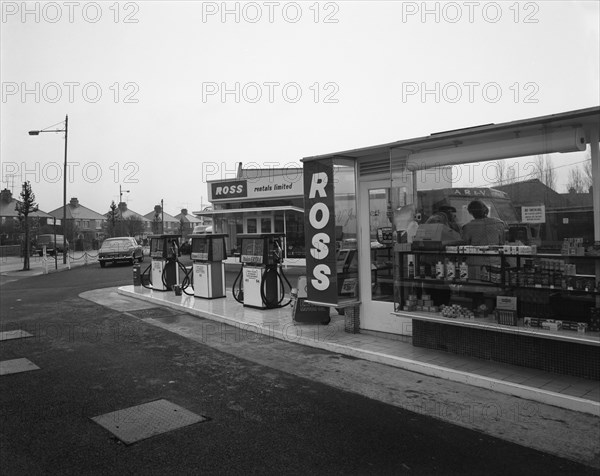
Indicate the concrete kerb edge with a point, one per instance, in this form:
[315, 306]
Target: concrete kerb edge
[550, 398]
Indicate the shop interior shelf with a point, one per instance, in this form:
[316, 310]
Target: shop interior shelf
[489, 323]
[485, 286]
[497, 254]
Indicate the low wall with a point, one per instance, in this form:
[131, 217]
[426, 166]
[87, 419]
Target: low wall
[10, 250]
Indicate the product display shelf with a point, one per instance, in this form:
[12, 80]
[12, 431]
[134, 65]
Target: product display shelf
[490, 324]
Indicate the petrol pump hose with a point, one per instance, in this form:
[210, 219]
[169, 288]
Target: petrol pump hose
[274, 303]
[239, 296]
[188, 279]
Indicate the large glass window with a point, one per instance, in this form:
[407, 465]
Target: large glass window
[346, 228]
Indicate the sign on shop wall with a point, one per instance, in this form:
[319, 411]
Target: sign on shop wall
[535, 214]
[319, 221]
[271, 186]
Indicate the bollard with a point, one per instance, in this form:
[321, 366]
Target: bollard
[137, 280]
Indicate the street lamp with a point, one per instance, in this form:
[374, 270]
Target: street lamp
[66, 131]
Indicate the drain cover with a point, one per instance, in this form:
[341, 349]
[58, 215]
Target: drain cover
[149, 419]
[153, 312]
[16, 366]
[16, 334]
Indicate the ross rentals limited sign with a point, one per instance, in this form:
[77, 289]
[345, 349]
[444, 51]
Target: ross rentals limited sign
[257, 188]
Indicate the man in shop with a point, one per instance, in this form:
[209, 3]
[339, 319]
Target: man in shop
[483, 230]
[446, 215]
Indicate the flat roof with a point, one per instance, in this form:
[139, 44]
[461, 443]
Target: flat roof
[585, 118]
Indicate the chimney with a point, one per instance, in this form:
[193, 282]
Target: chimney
[74, 202]
[6, 196]
[184, 211]
[122, 206]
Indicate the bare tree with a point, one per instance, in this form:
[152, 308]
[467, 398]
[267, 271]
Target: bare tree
[544, 171]
[134, 226]
[587, 171]
[24, 207]
[505, 173]
[575, 183]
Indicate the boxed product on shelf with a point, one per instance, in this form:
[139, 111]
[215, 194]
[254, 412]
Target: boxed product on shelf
[582, 327]
[570, 325]
[505, 317]
[506, 303]
[573, 247]
[551, 325]
[531, 321]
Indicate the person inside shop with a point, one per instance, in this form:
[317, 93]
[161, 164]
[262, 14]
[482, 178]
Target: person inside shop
[446, 215]
[482, 230]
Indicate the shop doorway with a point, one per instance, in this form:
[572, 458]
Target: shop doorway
[376, 263]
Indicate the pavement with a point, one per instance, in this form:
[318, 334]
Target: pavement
[12, 266]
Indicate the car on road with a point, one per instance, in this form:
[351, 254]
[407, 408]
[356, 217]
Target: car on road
[48, 241]
[122, 248]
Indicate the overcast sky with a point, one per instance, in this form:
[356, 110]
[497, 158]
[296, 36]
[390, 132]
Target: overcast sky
[163, 96]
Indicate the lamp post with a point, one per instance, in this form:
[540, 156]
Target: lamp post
[66, 131]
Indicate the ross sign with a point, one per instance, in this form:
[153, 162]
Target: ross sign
[319, 225]
[230, 189]
[272, 186]
[535, 214]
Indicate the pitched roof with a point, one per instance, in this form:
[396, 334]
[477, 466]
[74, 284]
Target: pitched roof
[188, 217]
[76, 211]
[167, 217]
[532, 192]
[126, 213]
[8, 207]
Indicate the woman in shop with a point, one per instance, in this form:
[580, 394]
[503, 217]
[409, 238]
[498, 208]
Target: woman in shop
[483, 230]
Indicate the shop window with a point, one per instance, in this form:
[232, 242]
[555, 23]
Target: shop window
[251, 225]
[265, 225]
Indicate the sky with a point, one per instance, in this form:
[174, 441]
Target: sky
[164, 96]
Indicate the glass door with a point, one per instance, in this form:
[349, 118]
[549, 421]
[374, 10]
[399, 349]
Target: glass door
[377, 260]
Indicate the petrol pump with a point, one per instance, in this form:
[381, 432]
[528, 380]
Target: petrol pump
[208, 270]
[260, 282]
[164, 273]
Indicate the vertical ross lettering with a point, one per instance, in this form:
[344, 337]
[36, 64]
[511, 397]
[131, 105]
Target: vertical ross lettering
[320, 231]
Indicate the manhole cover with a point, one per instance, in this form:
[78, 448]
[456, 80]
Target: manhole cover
[16, 334]
[153, 312]
[149, 419]
[16, 366]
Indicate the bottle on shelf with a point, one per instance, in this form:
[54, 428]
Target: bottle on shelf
[411, 270]
[450, 270]
[439, 270]
[464, 270]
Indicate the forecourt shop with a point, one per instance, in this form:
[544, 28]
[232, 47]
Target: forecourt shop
[370, 254]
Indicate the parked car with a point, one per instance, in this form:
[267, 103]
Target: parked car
[122, 248]
[61, 244]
